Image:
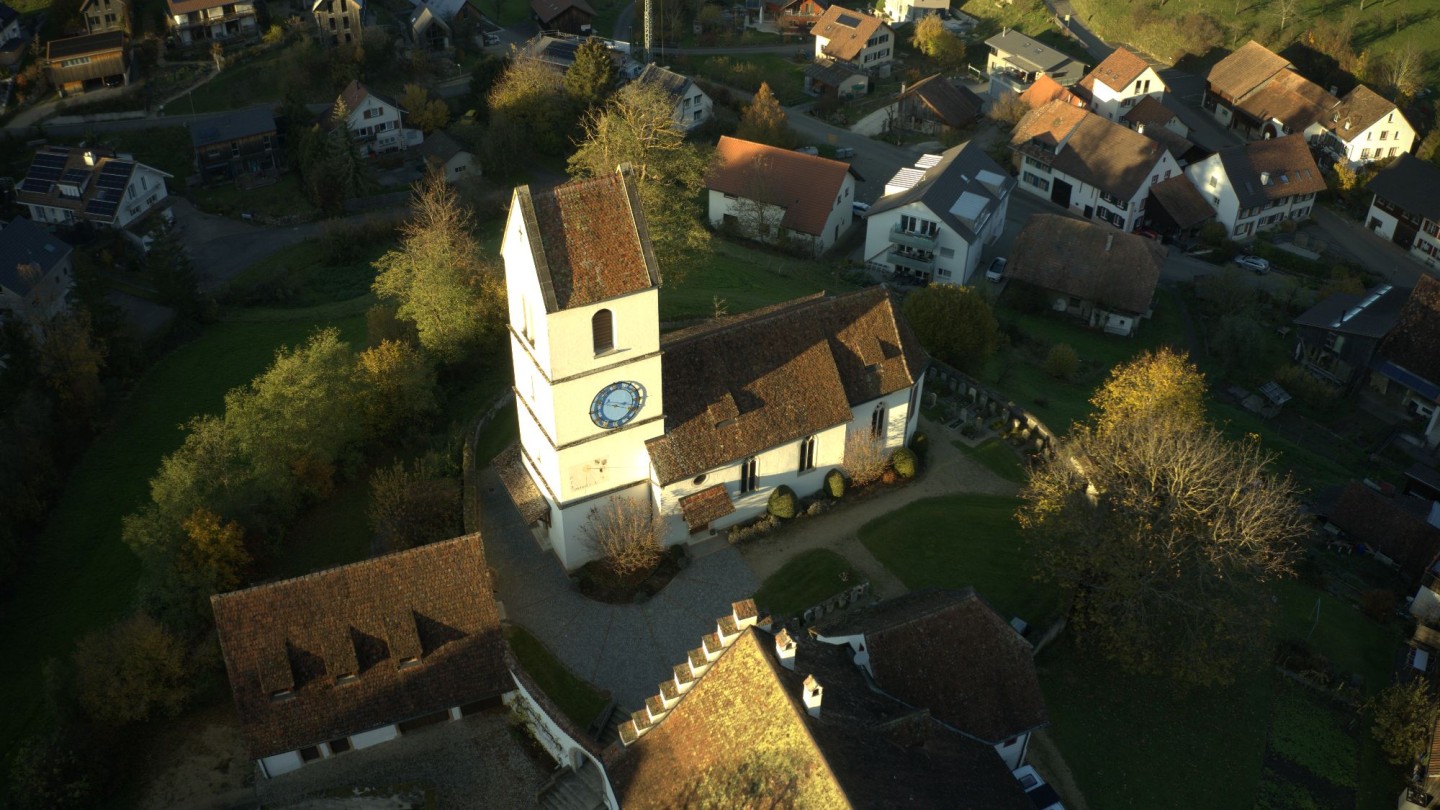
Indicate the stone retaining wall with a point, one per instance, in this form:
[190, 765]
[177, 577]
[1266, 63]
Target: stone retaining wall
[1034, 434]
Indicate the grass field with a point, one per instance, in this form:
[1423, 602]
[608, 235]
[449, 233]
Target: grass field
[997, 457]
[284, 198]
[806, 580]
[302, 276]
[580, 701]
[746, 73]
[82, 577]
[166, 148]
[745, 278]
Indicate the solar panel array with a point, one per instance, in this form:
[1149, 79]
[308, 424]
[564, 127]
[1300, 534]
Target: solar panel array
[75, 177]
[104, 203]
[45, 169]
[848, 21]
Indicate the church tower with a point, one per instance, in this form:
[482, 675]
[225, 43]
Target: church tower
[583, 289]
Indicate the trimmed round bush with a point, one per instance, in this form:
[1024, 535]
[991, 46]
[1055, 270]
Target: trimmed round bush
[904, 462]
[920, 444]
[783, 502]
[835, 484]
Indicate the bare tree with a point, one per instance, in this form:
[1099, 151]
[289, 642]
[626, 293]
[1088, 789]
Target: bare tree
[865, 458]
[626, 534]
[1286, 9]
[1008, 109]
[1404, 70]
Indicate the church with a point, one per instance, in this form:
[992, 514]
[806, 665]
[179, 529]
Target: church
[703, 423]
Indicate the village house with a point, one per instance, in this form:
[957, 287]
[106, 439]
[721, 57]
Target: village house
[69, 185]
[1118, 83]
[935, 104]
[796, 16]
[566, 16]
[558, 51]
[10, 28]
[903, 11]
[779, 195]
[1160, 124]
[1084, 163]
[1407, 369]
[36, 272]
[835, 78]
[851, 36]
[692, 106]
[1362, 128]
[196, 21]
[89, 62]
[1336, 340]
[104, 15]
[1393, 528]
[989, 691]
[1016, 61]
[338, 22]
[1406, 207]
[934, 220]
[1177, 209]
[241, 146]
[738, 407]
[755, 711]
[374, 120]
[1044, 90]
[1104, 278]
[428, 31]
[445, 155]
[1255, 186]
[13, 43]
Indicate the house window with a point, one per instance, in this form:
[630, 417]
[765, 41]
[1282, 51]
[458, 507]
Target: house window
[1364, 154]
[234, 149]
[1384, 134]
[310, 753]
[1038, 182]
[340, 746]
[947, 253]
[877, 421]
[372, 113]
[602, 331]
[748, 479]
[807, 454]
[1393, 150]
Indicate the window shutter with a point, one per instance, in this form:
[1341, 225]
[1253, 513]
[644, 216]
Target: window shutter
[602, 328]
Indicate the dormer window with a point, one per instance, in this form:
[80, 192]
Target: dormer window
[281, 695]
[408, 663]
[344, 679]
[602, 331]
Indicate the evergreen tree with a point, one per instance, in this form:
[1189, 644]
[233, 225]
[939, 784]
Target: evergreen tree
[591, 78]
[763, 121]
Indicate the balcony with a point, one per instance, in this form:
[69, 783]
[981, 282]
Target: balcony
[914, 240]
[915, 263]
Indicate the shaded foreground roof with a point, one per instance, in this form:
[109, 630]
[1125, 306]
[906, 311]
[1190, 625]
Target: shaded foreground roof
[85, 45]
[589, 240]
[832, 72]
[1250, 66]
[1287, 161]
[736, 386]
[1372, 315]
[362, 646]
[674, 84]
[1290, 99]
[1182, 201]
[1046, 89]
[954, 106]
[948, 651]
[231, 125]
[962, 170]
[22, 242]
[1104, 154]
[1086, 260]
[1414, 343]
[440, 146]
[806, 186]
[548, 10]
[846, 30]
[1412, 184]
[1381, 523]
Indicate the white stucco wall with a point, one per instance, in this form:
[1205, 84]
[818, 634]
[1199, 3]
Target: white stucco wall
[365, 739]
[1110, 101]
[275, 765]
[749, 215]
[1014, 754]
[1380, 222]
[1083, 194]
[554, 739]
[694, 101]
[146, 188]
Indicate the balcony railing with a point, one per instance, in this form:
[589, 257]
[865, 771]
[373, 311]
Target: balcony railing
[911, 239]
[899, 259]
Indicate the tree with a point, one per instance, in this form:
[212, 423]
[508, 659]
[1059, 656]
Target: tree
[70, 363]
[213, 556]
[482, 80]
[438, 280]
[1404, 70]
[411, 505]
[400, 386]
[931, 39]
[1163, 532]
[626, 534]
[530, 114]
[592, 76]
[173, 275]
[1062, 362]
[131, 671]
[865, 458]
[954, 324]
[426, 113]
[1286, 9]
[1404, 715]
[1008, 109]
[764, 121]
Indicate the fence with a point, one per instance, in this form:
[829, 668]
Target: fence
[838, 602]
[1021, 422]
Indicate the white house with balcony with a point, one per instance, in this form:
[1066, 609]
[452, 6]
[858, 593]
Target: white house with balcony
[851, 36]
[196, 21]
[1255, 186]
[67, 185]
[1120, 82]
[1016, 61]
[699, 427]
[692, 106]
[1364, 127]
[902, 11]
[936, 218]
[376, 121]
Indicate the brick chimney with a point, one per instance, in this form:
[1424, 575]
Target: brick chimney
[811, 693]
[89, 158]
[1109, 241]
[785, 649]
[1140, 128]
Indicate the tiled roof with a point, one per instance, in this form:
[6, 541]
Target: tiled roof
[1045, 90]
[22, 242]
[86, 45]
[1287, 161]
[846, 31]
[1289, 98]
[1414, 343]
[1361, 109]
[1117, 71]
[737, 386]
[1410, 183]
[949, 652]
[832, 72]
[1101, 153]
[671, 82]
[1029, 54]
[963, 169]
[954, 106]
[1382, 524]
[547, 10]
[1182, 201]
[440, 146]
[705, 506]
[1087, 260]
[589, 240]
[103, 179]
[1342, 312]
[303, 636]
[806, 186]
[1150, 112]
[1244, 70]
[229, 126]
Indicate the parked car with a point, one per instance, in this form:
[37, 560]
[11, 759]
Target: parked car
[807, 150]
[1040, 794]
[844, 152]
[859, 208]
[1148, 233]
[1259, 265]
[996, 270]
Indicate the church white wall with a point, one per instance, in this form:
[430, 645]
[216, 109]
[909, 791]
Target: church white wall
[275, 765]
[567, 529]
[899, 424]
[636, 326]
[368, 738]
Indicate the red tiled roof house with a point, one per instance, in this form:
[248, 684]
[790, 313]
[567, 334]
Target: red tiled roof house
[778, 195]
[1119, 83]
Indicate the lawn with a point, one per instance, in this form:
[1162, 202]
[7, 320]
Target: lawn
[284, 198]
[502, 432]
[744, 278]
[924, 544]
[165, 148]
[302, 276]
[257, 81]
[82, 577]
[746, 73]
[805, 581]
[580, 701]
[334, 532]
[997, 457]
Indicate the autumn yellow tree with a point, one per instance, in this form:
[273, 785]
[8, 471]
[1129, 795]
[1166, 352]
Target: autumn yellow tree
[422, 111]
[931, 39]
[212, 556]
[400, 386]
[131, 671]
[764, 121]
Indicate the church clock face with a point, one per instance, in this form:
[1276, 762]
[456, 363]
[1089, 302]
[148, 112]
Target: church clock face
[616, 404]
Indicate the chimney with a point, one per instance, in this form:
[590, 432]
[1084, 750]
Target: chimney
[785, 649]
[1264, 178]
[811, 693]
[1334, 91]
[1109, 241]
[89, 158]
[1140, 128]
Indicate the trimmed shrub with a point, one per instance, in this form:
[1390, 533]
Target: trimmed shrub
[783, 502]
[904, 463]
[920, 444]
[889, 477]
[835, 484]
[1062, 362]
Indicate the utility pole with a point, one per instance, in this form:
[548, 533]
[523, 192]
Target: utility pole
[649, 11]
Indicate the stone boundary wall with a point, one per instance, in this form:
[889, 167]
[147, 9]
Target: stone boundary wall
[470, 471]
[61, 120]
[1033, 431]
[834, 604]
